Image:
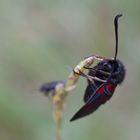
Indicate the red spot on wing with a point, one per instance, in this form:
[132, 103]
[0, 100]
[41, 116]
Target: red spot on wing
[100, 90]
[111, 87]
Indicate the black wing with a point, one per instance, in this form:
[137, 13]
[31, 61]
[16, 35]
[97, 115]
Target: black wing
[90, 90]
[92, 104]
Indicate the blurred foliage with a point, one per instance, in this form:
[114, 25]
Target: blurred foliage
[39, 40]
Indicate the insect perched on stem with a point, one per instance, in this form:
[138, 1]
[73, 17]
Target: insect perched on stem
[102, 81]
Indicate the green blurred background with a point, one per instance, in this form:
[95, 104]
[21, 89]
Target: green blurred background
[39, 40]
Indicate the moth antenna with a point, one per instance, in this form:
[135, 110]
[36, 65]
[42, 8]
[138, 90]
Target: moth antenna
[116, 33]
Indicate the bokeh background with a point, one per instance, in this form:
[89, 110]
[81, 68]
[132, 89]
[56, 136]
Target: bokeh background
[40, 40]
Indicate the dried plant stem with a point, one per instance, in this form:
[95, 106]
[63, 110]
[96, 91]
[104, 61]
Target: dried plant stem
[58, 122]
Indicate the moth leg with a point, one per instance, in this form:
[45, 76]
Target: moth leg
[101, 71]
[84, 75]
[104, 72]
[88, 68]
[90, 78]
[93, 78]
[96, 57]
